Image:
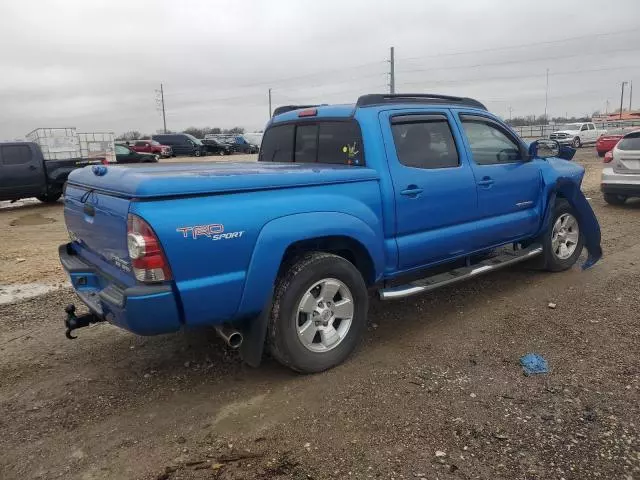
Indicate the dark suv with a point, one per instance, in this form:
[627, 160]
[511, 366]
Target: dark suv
[181, 143]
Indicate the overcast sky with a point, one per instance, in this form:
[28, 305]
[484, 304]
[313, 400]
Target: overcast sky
[96, 64]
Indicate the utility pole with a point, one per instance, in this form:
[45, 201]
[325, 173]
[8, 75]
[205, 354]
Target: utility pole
[606, 109]
[392, 72]
[630, 94]
[164, 117]
[510, 110]
[546, 98]
[622, 98]
[270, 103]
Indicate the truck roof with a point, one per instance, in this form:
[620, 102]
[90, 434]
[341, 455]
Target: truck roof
[294, 112]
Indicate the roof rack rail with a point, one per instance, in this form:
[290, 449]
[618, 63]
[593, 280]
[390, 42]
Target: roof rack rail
[290, 108]
[382, 98]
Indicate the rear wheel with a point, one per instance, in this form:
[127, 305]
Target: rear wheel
[319, 313]
[221, 153]
[614, 199]
[576, 142]
[197, 153]
[49, 197]
[563, 241]
[602, 154]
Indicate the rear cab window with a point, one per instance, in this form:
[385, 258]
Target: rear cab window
[332, 142]
[630, 142]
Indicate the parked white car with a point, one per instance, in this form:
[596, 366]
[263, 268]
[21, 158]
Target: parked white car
[577, 134]
[621, 173]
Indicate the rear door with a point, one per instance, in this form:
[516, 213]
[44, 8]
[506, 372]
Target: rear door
[508, 184]
[434, 187]
[627, 154]
[21, 171]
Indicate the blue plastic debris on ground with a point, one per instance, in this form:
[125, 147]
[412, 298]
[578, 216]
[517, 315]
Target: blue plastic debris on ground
[533, 364]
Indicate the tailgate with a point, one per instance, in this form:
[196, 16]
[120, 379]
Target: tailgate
[626, 161]
[97, 223]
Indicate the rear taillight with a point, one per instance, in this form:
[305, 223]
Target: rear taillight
[147, 258]
[608, 156]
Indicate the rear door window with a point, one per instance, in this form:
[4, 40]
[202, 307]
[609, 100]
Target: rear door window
[15, 154]
[424, 141]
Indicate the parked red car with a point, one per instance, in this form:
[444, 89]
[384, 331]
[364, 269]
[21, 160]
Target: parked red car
[609, 140]
[151, 146]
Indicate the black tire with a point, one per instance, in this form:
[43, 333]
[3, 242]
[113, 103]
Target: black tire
[614, 198]
[298, 278]
[197, 153]
[221, 153]
[602, 154]
[50, 197]
[577, 143]
[551, 261]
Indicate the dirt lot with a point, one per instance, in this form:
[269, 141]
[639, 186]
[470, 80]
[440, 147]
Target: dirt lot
[435, 390]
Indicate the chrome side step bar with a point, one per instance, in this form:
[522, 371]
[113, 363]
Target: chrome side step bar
[427, 284]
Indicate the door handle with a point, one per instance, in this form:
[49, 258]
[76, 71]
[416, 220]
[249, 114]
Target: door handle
[412, 191]
[32, 167]
[486, 182]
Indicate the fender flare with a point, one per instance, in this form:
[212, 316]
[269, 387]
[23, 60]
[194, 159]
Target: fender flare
[569, 190]
[279, 234]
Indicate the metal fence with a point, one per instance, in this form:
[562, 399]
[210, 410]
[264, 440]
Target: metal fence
[543, 131]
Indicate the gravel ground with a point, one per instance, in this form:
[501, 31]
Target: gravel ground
[434, 391]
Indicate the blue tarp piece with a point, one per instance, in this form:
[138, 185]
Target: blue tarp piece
[532, 364]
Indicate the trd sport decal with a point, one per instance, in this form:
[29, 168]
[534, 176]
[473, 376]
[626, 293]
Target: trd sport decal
[214, 231]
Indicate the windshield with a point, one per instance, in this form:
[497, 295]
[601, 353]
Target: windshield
[570, 126]
[154, 143]
[193, 139]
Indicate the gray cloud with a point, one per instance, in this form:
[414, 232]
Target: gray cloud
[96, 65]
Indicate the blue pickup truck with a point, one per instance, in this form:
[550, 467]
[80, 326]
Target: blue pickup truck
[395, 195]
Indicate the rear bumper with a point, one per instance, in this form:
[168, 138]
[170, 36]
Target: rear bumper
[141, 309]
[620, 183]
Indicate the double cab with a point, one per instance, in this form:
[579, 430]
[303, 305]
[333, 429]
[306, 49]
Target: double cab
[394, 195]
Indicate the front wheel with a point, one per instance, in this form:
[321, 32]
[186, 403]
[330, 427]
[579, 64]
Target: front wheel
[221, 153]
[563, 241]
[576, 142]
[197, 153]
[614, 199]
[602, 154]
[319, 313]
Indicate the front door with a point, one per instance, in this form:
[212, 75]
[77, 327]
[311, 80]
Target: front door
[21, 172]
[508, 183]
[434, 187]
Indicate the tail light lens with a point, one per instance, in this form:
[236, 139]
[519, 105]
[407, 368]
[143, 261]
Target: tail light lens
[147, 258]
[608, 156]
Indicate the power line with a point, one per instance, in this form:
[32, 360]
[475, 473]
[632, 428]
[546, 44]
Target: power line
[524, 45]
[513, 77]
[512, 62]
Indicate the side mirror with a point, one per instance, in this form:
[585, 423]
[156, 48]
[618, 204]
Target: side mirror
[550, 148]
[544, 149]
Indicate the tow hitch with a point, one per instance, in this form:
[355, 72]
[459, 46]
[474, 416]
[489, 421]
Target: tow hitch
[72, 322]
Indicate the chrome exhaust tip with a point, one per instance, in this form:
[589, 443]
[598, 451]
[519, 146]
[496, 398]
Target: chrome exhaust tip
[232, 337]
